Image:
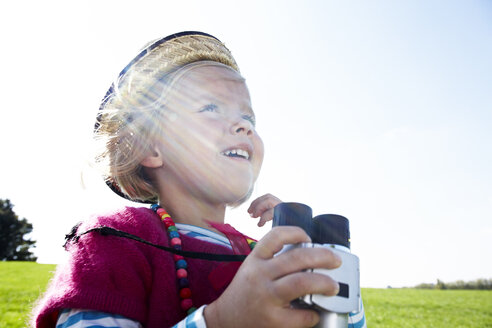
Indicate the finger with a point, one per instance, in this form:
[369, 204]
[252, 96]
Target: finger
[298, 284]
[265, 217]
[300, 258]
[262, 204]
[274, 240]
[255, 203]
[298, 317]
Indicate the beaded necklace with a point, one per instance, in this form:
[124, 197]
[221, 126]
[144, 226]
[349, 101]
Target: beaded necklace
[179, 261]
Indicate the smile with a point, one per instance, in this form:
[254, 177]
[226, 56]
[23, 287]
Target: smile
[241, 153]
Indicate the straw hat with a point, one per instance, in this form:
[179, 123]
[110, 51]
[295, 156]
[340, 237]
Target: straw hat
[162, 57]
[157, 60]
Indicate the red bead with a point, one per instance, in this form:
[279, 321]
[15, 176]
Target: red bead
[168, 223]
[175, 241]
[177, 257]
[182, 273]
[161, 211]
[185, 293]
[186, 303]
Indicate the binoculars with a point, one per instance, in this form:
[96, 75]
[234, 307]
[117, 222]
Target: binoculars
[328, 231]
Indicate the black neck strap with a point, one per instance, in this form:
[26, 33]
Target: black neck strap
[108, 231]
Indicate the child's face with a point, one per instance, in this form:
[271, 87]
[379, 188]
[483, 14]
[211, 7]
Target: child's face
[209, 144]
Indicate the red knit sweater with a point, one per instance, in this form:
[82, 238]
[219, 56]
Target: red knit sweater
[121, 276]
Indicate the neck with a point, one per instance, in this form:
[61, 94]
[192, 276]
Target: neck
[184, 208]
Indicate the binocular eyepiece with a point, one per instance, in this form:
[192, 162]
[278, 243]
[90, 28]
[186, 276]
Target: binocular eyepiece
[323, 229]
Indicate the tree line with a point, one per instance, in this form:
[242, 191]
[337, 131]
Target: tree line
[14, 246]
[478, 284]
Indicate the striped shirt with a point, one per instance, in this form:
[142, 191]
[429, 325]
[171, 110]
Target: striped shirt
[357, 319]
[202, 234]
[79, 318]
[75, 318]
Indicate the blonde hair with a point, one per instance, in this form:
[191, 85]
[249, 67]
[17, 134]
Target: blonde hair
[132, 110]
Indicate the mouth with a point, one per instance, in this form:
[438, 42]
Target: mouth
[238, 152]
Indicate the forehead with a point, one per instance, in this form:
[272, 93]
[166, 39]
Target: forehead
[213, 80]
[213, 72]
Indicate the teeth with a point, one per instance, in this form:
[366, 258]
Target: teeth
[237, 152]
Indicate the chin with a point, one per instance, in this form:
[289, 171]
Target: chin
[237, 197]
[241, 200]
[231, 192]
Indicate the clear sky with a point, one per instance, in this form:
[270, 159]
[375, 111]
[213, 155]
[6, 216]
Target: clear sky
[380, 111]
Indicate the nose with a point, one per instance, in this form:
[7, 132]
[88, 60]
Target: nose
[242, 126]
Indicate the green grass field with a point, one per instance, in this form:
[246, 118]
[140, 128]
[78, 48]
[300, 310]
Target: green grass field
[427, 308]
[22, 282]
[20, 285]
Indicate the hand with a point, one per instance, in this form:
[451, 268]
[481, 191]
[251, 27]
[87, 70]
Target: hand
[261, 292]
[262, 207]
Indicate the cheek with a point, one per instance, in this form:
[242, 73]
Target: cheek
[190, 135]
[260, 151]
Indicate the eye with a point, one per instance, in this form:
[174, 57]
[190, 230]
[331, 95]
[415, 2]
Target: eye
[209, 108]
[250, 118]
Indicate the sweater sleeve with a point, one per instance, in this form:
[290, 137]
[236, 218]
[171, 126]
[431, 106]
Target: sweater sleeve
[104, 273]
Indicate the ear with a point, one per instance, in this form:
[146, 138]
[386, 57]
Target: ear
[153, 159]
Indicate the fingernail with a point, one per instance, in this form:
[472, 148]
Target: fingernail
[334, 291]
[337, 289]
[338, 260]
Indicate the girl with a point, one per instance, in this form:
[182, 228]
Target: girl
[178, 129]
